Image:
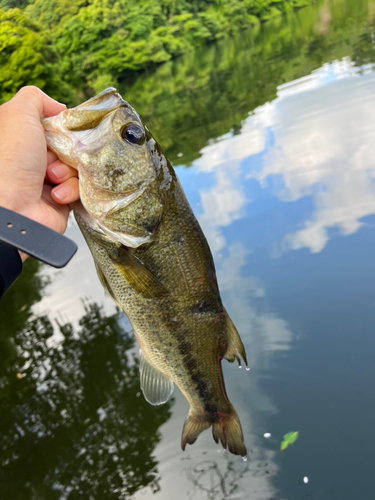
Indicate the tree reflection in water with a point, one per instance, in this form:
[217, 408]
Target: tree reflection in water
[208, 478]
[75, 425]
[217, 484]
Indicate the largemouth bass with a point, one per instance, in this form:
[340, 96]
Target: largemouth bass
[152, 259]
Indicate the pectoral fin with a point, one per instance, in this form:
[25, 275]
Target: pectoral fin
[235, 345]
[156, 388]
[137, 275]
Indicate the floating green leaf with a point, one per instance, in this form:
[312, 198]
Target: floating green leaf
[288, 439]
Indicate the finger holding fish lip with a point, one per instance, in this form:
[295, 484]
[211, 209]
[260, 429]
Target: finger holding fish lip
[66, 178]
[67, 192]
[58, 172]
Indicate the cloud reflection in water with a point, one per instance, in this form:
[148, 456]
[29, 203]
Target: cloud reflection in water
[300, 138]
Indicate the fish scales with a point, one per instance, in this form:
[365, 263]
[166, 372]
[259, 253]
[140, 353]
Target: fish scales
[153, 260]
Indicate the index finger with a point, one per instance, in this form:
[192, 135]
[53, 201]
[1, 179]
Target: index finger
[33, 100]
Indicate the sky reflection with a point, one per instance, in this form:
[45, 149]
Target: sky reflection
[296, 147]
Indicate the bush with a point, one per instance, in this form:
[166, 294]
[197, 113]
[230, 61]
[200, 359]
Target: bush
[27, 56]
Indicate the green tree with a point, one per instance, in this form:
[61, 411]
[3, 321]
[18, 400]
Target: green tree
[26, 57]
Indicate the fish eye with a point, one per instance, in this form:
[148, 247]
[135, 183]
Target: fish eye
[134, 134]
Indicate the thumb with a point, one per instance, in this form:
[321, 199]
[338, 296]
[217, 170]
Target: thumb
[34, 101]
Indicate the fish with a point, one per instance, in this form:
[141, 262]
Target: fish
[153, 260]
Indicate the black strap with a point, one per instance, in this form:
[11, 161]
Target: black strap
[36, 240]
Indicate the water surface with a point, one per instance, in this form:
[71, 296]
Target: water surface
[272, 134]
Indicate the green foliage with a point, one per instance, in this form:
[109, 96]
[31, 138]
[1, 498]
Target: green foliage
[26, 56]
[57, 44]
[12, 4]
[190, 101]
[289, 438]
[74, 49]
[51, 12]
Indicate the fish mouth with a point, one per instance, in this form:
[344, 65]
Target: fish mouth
[64, 131]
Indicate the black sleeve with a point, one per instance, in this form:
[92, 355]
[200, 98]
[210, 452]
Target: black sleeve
[10, 267]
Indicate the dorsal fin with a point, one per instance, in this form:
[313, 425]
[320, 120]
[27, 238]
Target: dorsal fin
[235, 345]
[156, 388]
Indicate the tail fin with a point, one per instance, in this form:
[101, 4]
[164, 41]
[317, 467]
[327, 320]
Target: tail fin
[227, 429]
[229, 432]
[194, 425]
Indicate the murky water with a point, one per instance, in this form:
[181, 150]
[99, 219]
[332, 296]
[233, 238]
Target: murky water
[273, 133]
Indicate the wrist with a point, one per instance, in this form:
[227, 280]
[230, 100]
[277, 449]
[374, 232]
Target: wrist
[14, 203]
[23, 255]
[18, 202]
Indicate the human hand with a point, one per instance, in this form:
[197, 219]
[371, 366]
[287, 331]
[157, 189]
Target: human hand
[26, 167]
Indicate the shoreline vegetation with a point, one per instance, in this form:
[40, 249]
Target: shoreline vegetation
[74, 49]
[192, 101]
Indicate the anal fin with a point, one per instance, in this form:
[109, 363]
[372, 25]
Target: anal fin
[156, 387]
[235, 345]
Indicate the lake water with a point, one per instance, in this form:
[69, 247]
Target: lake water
[272, 133]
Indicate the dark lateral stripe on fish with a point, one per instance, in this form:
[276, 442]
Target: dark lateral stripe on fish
[184, 346]
[201, 386]
[205, 307]
[205, 394]
[188, 359]
[190, 362]
[196, 376]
